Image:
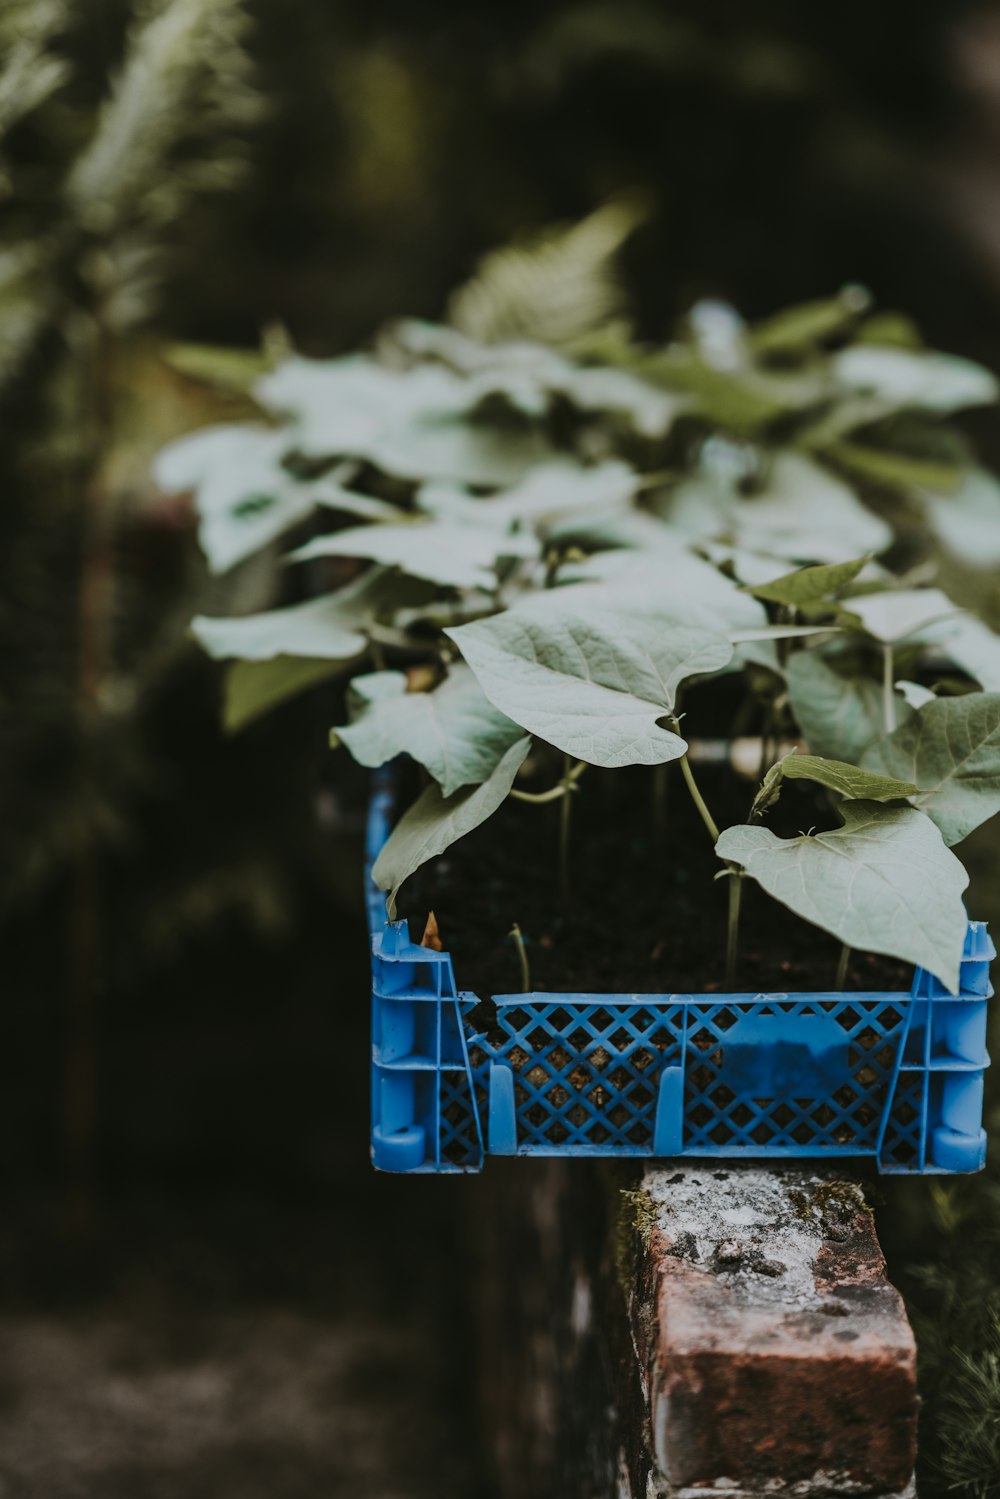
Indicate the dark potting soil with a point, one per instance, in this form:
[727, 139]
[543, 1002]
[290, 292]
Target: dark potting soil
[646, 913]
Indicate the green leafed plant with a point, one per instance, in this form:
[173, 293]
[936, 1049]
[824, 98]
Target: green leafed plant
[513, 543]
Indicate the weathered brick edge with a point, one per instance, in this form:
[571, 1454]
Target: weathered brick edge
[772, 1355]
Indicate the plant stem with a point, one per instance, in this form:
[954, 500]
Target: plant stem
[787, 616]
[564, 825]
[522, 956]
[699, 800]
[539, 798]
[735, 875]
[377, 653]
[840, 982]
[733, 924]
[888, 702]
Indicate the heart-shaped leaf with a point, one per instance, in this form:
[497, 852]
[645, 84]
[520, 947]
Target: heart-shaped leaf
[592, 682]
[838, 714]
[883, 882]
[951, 749]
[454, 731]
[435, 822]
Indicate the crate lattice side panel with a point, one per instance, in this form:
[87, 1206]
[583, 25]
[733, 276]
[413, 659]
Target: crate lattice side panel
[894, 1076]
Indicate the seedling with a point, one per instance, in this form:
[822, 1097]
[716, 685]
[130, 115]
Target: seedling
[517, 938]
[548, 600]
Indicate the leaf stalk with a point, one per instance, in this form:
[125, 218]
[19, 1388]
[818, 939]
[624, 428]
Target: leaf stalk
[733, 924]
[517, 937]
[698, 799]
[888, 699]
[568, 785]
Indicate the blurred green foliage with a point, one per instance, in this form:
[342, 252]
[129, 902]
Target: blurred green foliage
[782, 148]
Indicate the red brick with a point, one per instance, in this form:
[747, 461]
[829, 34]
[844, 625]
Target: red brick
[775, 1353]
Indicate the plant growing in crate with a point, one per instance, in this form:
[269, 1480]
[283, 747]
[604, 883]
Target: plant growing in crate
[551, 559]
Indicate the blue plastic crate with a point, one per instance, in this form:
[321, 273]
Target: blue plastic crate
[893, 1075]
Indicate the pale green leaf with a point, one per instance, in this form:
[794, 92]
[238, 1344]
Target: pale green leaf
[809, 585]
[801, 513]
[414, 423]
[748, 568]
[333, 496]
[910, 614]
[780, 632]
[461, 451]
[344, 406]
[967, 522]
[883, 882]
[253, 688]
[975, 648]
[915, 694]
[839, 714]
[245, 497]
[473, 356]
[594, 682]
[330, 627]
[668, 579]
[435, 822]
[452, 555]
[665, 578]
[454, 731]
[951, 749]
[529, 375]
[613, 527]
[649, 411]
[317, 629]
[930, 382]
[806, 514]
[550, 491]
